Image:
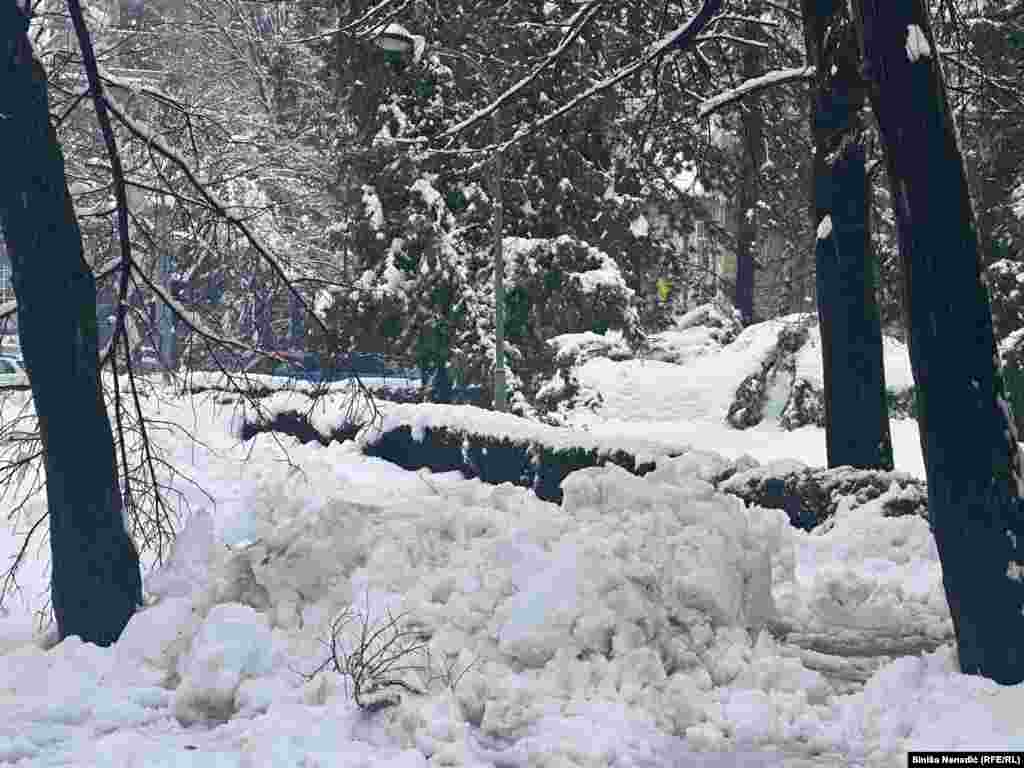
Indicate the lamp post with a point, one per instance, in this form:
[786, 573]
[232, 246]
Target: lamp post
[399, 41]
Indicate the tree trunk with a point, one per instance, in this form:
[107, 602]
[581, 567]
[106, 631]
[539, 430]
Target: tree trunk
[752, 121]
[96, 583]
[856, 413]
[857, 432]
[967, 431]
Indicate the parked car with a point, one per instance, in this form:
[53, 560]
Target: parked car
[12, 372]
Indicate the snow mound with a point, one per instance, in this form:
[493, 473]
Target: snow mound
[477, 421]
[233, 643]
[576, 348]
[868, 584]
[704, 390]
[899, 375]
[770, 373]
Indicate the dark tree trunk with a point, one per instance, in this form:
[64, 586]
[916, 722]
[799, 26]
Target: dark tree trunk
[856, 412]
[967, 433]
[96, 583]
[752, 121]
[858, 420]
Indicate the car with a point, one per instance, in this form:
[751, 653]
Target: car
[12, 373]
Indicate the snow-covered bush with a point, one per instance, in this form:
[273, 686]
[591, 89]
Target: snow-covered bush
[1005, 279]
[811, 496]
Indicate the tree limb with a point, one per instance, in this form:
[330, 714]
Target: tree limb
[769, 80]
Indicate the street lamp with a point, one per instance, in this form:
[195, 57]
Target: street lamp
[397, 40]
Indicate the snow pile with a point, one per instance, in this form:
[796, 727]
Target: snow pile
[899, 376]
[576, 348]
[699, 373]
[683, 346]
[477, 421]
[711, 316]
[648, 390]
[644, 622]
[865, 583]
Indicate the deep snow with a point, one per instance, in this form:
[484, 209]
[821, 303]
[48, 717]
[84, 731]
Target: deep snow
[644, 622]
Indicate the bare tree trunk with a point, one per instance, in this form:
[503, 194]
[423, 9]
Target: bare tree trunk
[856, 412]
[752, 120]
[857, 428]
[96, 583]
[967, 431]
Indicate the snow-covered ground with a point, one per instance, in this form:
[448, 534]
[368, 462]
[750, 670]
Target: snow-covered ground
[644, 622]
[688, 403]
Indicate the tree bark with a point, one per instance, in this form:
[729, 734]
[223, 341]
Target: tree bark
[857, 431]
[752, 122]
[96, 583]
[856, 412]
[967, 432]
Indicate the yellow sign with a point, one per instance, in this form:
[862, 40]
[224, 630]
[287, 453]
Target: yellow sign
[664, 289]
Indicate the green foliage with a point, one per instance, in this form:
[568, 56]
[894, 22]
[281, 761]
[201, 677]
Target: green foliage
[1013, 387]
[391, 326]
[517, 312]
[903, 403]
[455, 199]
[552, 280]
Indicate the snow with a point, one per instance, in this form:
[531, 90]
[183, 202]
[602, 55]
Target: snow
[640, 226]
[687, 180]
[917, 43]
[570, 346]
[899, 376]
[767, 80]
[653, 391]
[373, 207]
[646, 621]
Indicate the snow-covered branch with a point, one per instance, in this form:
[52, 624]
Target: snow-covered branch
[158, 145]
[768, 80]
[190, 318]
[370, 21]
[576, 24]
[678, 39]
[733, 39]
